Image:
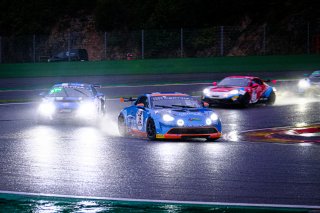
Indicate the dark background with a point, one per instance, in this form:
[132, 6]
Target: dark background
[34, 16]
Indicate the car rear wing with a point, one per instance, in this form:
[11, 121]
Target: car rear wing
[127, 99]
[97, 86]
[272, 81]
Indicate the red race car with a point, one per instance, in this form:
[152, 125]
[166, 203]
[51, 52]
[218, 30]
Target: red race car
[240, 90]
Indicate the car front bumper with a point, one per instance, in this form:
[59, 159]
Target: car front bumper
[233, 100]
[191, 132]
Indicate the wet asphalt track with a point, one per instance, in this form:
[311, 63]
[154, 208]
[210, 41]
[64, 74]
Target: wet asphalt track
[69, 159]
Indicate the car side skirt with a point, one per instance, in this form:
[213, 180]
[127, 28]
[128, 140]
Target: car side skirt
[180, 136]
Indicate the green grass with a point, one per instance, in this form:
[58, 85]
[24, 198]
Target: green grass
[39, 203]
[163, 66]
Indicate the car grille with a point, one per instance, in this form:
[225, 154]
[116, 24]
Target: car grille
[209, 130]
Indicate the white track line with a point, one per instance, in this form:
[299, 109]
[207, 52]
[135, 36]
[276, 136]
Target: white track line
[127, 86]
[162, 201]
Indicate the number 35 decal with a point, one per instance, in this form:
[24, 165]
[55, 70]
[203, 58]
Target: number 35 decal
[139, 119]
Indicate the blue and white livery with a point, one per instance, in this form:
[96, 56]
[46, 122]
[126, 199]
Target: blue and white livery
[169, 116]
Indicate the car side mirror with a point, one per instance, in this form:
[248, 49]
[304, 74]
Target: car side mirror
[255, 85]
[100, 95]
[205, 104]
[42, 94]
[140, 105]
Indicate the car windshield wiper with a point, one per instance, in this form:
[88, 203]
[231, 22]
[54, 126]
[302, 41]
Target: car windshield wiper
[229, 86]
[163, 106]
[221, 85]
[183, 106]
[81, 92]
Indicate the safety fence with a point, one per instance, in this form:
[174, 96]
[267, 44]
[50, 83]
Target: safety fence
[173, 43]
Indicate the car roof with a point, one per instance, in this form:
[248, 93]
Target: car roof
[155, 94]
[317, 72]
[242, 76]
[72, 84]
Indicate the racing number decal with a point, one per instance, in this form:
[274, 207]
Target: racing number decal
[139, 119]
[254, 96]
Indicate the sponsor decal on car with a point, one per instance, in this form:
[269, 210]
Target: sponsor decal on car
[235, 98]
[139, 119]
[194, 119]
[254, 98]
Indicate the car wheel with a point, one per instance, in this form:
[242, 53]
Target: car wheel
[245, 100]
[271, 99]
[122, 127]
[151, 130]
[103, 107]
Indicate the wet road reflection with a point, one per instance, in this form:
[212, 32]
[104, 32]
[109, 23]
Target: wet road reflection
[94, 161]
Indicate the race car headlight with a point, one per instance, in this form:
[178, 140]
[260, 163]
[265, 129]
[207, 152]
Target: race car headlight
[87, 109]
[234, 92]
[46, 108]
[214, 116]
[180, 122]
[208, 121]
[206, 91]
[304, 83]
[167, 117]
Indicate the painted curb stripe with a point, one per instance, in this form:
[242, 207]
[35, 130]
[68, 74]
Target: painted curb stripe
[281, 135]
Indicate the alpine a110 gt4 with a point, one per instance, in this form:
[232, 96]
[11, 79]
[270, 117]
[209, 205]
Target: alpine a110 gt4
[169, 116]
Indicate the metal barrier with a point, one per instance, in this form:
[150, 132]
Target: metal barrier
[173, 43]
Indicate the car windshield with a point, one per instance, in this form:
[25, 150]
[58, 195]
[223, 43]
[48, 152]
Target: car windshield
[174, 102]
[315, 74]
[240, 82]
[70, 92]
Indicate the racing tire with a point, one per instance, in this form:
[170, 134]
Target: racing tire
[245, 100]
[103, 107]
[271, 99]
[122, 127]
[151, 130]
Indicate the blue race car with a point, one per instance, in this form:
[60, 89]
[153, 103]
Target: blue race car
[71, 101]
[168, 116]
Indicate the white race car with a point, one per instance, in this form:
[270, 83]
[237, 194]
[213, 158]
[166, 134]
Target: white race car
[310, 85]
[71, 101]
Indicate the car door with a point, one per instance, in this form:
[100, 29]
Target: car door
[138, 113]
[258, 89]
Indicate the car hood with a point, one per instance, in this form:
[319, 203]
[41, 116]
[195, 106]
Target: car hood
[223, 89]
[182, 112]
[67, 99]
